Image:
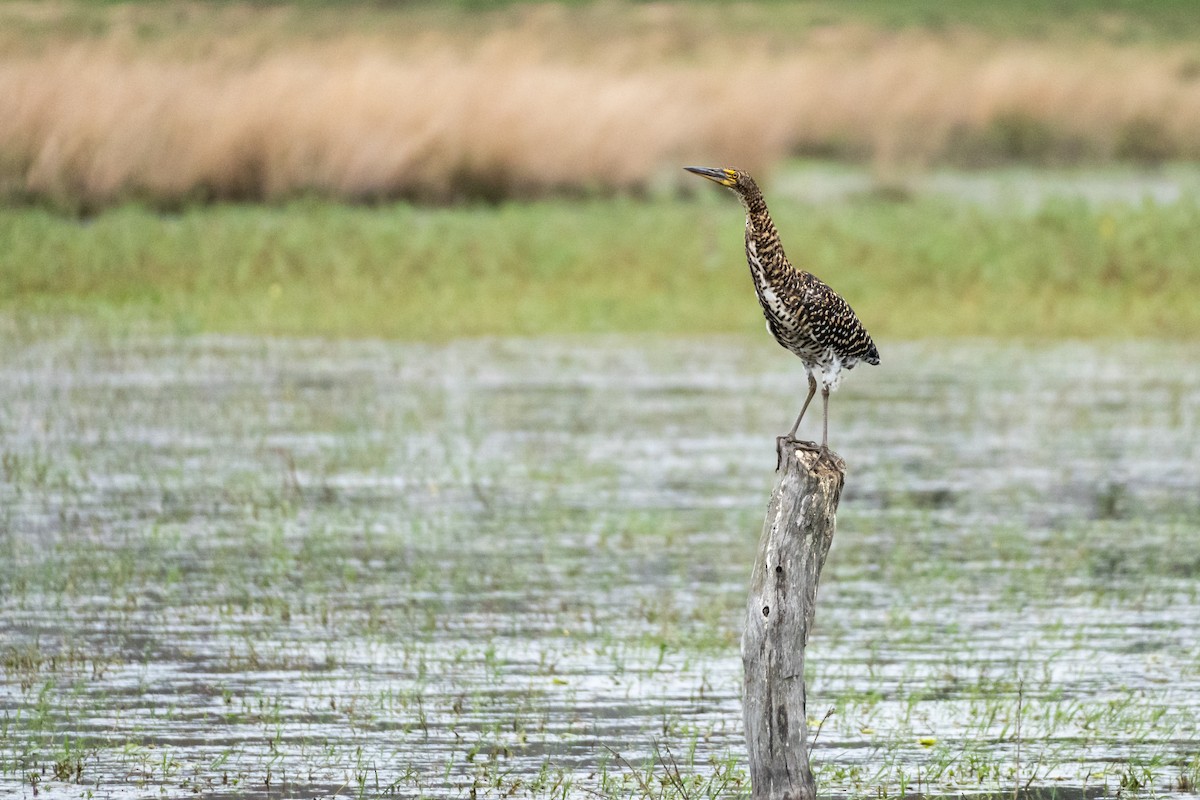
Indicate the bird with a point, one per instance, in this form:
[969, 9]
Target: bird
[803, 314]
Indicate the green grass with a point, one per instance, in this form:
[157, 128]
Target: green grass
[1118, 21]
[922, 267]
[1121, 21]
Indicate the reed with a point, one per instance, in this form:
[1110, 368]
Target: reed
[243, 103]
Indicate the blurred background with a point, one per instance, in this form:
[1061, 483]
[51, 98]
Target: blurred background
[432, 170]
[426, 170]
[171, 103]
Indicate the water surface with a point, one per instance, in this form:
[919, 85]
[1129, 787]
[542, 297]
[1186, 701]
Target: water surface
[248, 567]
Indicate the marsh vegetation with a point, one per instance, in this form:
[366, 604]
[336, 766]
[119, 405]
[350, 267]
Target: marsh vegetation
[177, 103]
[1106, 254]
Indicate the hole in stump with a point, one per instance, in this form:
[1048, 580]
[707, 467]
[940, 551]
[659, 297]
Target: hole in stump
[766, 611]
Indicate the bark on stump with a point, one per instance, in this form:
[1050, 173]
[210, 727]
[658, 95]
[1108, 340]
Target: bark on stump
[796, 537]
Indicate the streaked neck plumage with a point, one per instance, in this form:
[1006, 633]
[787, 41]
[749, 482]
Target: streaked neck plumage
[764, 251]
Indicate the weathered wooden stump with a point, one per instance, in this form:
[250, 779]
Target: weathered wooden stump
[796, 537]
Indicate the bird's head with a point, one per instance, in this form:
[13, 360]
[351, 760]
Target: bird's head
[740, 182]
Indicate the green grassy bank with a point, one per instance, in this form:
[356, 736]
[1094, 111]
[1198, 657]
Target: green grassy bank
[922, 267]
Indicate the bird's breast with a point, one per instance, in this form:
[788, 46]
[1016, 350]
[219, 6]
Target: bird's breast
[777, 303]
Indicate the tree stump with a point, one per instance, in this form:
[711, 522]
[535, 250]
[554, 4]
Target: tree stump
[796, 537]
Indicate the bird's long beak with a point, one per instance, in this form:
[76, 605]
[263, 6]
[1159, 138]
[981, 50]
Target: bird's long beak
[722, 176]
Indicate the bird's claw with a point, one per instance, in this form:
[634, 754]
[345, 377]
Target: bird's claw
[835, 461]
[822, 450]
[787, 440]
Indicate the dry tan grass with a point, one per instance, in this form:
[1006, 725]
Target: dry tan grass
[548, 100]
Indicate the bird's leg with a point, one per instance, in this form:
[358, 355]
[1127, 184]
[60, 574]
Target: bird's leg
[790, 436]
[812, 390]
[825, 420]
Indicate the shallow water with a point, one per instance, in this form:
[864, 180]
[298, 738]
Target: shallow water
[250, 567]
[1019, 187]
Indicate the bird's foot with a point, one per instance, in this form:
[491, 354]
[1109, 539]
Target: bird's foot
[787, 440]
[825, 454]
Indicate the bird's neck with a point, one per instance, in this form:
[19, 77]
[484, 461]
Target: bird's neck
[763, 248]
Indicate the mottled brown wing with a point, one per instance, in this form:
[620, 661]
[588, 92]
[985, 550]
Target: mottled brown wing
[834, 324]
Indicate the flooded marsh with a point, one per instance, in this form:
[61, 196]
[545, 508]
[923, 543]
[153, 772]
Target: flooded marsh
[247, 567]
